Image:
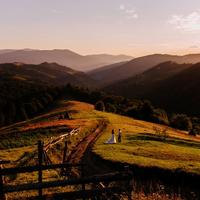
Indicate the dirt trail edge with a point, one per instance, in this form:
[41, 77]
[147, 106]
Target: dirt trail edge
[77, 155]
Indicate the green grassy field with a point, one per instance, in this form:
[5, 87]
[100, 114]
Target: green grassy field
[18, 142]
[142, 146]
[142, 142]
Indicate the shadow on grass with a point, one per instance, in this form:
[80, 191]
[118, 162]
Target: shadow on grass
[168, 140]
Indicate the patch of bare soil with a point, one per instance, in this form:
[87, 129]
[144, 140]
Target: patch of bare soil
[78, 155]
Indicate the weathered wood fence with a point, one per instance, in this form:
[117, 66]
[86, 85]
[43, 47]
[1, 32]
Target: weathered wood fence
[40, 185]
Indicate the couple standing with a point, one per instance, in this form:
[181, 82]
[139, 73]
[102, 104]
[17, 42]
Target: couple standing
[112, 140]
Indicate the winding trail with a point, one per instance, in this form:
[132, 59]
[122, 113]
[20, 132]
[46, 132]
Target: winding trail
[79, 153]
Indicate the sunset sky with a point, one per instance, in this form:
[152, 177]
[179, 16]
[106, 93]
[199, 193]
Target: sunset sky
[133, 27]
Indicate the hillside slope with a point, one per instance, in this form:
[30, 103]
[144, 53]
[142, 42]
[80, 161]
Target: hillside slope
[180, 92]
[45, 73]
[138, 86]
[169, 85]
[63, 57]
[101, 74]
[139, 65]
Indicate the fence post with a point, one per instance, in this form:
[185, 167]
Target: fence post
[1, 184]
[63, 169]
[40, 158]
[83, 184]
[65, 152]
[130, 183]
[2, 195]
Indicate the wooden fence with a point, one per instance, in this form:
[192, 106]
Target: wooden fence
[40, 185]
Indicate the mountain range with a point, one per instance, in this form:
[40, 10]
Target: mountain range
[45, 73]
[63, 57]
[169, 81]
[169, 85]
[114, 73]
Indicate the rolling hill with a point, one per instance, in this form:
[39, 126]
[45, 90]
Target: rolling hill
[180, 93]
[140, 85]
[170, 85]
[141, 148]
[100, 74]
[63, 57]
[137, 66]
[28, 89]
[44, 73]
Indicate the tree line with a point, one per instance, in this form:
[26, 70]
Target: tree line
[139, 109]
[20, 101]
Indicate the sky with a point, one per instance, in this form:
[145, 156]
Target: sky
[132, 27]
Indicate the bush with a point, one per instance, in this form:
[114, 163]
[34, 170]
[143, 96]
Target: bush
[181, 121]
[100, 106]
[195, 130]
[133, 112]
[110, 108]
[146, 110]
[160, 116]
[161, 132]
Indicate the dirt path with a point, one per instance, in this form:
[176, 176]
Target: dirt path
[77, 155]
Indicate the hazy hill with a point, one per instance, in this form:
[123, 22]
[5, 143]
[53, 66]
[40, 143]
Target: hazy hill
[63, 57]
[46, 73]
[139, 65]
[181, 92]
[101, 73]
[169, 85]
[5, 51]
[138, 86]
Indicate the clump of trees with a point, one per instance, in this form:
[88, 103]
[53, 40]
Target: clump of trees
[139, 109]
[145, 111]
[23, 100]
[100, 106]
[181, 121]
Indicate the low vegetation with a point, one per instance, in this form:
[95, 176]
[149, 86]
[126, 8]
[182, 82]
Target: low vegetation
[142, 142]
[18, 142]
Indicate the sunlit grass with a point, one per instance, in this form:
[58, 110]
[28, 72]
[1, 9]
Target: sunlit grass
[142, 147]
[20, 141]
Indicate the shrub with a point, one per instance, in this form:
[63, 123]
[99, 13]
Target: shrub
[133, 112]
[161, 132]
[100, 106]
[195, 130]
[110, 108]
[181, 121]
[160, 116]
[146, 110]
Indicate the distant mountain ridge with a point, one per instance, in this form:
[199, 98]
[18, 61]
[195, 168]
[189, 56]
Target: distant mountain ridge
[45, 73]
[169, 85]
[180, 92]
[138, 65]
[63, 57]
[138, 86]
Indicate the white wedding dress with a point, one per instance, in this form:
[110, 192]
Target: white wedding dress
[112, 140]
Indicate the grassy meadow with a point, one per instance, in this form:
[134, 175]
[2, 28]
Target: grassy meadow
[18, 142]
[143, 143]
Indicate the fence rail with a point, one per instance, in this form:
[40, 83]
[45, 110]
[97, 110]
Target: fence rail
[78, 181]
[40, 185]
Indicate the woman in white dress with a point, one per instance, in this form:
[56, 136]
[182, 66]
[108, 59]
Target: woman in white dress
[112, 140]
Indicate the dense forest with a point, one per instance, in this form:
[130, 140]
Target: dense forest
[20, 100]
